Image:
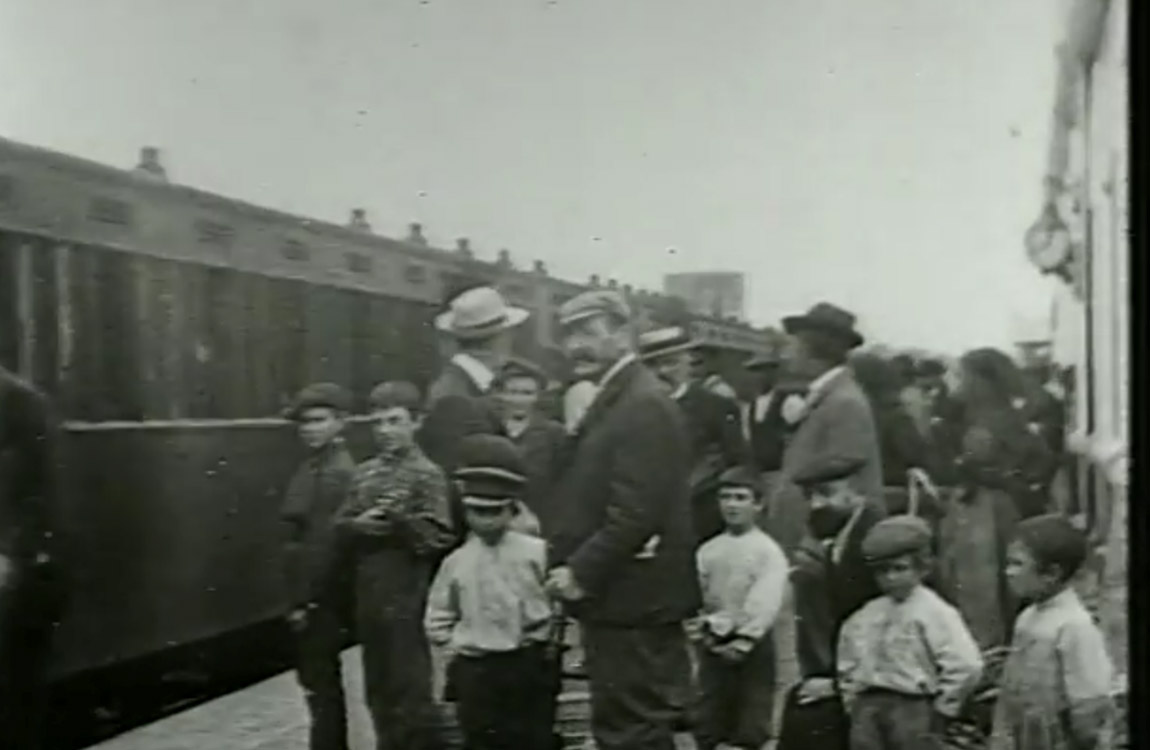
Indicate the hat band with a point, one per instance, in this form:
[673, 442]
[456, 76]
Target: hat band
[499, 319]
[489, 472]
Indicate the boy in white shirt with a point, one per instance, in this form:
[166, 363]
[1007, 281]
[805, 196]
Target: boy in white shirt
[743, 575]
[906, 661]
[488, 609]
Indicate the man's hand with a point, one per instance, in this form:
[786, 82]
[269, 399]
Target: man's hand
[561, 583]
[297, 619]
[733, 652]
[815, 689]
[376, 521]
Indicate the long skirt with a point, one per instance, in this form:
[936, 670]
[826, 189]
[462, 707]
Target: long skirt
[973, 536]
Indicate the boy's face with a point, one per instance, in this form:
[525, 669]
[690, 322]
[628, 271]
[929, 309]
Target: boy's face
[739, 507]
[319, 425]
[898, 576]
[519, 394]
[488, 522]
[394, 428]
[1025, 577]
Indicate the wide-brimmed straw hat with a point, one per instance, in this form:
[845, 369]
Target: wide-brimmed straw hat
[479, 313]
[826, 318]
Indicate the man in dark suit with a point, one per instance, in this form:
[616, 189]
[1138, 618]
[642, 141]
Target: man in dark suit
[459, 402]
[31, 583]
[712, 422]
[623, 553]
[830, 580]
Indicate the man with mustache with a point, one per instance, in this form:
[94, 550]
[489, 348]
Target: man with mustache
[622, 555]
[712, 421]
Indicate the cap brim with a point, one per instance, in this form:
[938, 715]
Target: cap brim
[677, 349]
[445, 322]
[471, 501]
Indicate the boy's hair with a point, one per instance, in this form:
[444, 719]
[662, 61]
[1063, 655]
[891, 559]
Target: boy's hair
[744, 478]
[1054, 542]
[393, 394]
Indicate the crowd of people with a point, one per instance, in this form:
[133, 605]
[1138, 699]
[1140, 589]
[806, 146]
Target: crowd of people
[862, 552]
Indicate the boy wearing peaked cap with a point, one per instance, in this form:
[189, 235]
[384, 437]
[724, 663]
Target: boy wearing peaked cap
[906, 661]
[743, 577]
[317, 575]
[489, 611]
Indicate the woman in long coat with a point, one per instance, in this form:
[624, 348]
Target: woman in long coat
[1003, 468]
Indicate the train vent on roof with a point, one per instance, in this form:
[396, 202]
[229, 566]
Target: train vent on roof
[295, 250]
[210, 232]
[415, 274]
[110, 211]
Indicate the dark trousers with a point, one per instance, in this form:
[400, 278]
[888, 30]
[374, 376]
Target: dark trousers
[736, 701]
[397, 680]
[814, 726]
[28, 615]
[885, 720]
[506, 701]
[318, 644]
[637, 678]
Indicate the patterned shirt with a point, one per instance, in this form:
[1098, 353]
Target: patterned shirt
[412, 492]
[743, 578]
[919, 646]
[490, 598]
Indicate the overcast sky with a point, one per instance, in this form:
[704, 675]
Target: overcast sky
[886, 155]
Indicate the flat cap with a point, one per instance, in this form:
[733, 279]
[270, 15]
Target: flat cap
[491, 470]
[591, 303]
[896, 536]
[318, 395]
[742, 476]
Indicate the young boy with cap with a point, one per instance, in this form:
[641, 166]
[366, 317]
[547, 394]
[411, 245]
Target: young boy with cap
[397, 523]
[1056, 683]
[906, 661]
[490, 612]
[317, 577]
[743, 576]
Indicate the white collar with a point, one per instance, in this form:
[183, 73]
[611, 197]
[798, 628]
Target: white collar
[820, 384]
[762, 404]
[838, 546]
[680, 391]
[476, 370]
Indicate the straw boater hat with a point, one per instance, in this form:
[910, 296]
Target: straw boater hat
[664, 341]
[491, 472]
[479, 313]
[826, 318]
[763, 361]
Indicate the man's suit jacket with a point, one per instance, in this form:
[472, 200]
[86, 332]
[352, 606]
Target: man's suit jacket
[542, 445]
[30, 515]
[716, 443]
[623, 507]
[836, 438]
[769, 434]
[456, 408]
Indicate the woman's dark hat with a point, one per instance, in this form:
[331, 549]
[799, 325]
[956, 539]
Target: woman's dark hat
[826, 318]
[318, 396]
[491, 471]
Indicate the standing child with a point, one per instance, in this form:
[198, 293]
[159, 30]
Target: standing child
[1056, 684]
[399, 524]
[906, 661]
[318, 581]
[743, 576]
[489, 610]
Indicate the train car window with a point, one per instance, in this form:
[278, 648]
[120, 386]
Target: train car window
[295, 250]
[357, 262]
[7, 190]
[110, 211]
[416, 274]
[214, 233]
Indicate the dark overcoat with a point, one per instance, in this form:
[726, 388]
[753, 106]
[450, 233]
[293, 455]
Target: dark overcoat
[624, 507]
[717, 443]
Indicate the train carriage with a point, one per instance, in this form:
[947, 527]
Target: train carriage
[170, 326]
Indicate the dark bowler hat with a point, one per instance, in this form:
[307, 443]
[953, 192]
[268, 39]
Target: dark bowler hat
[663, 341]
[318, 395]
[592, 303]
[742, 476]
[827, 318]
[894, 537]
[519, 367]
[491, 471]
